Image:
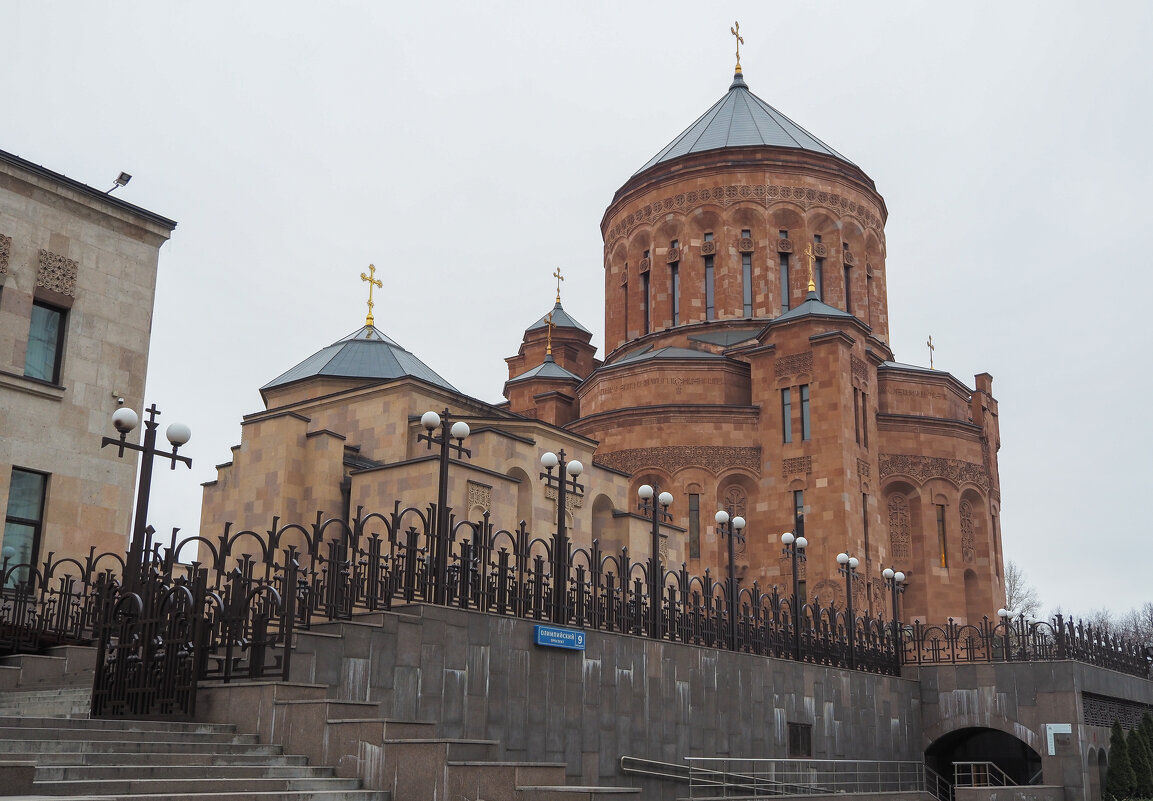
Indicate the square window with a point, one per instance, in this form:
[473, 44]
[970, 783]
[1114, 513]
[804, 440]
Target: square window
[800, 740]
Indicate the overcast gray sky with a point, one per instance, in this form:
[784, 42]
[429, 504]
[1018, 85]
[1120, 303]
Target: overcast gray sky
[469, 149]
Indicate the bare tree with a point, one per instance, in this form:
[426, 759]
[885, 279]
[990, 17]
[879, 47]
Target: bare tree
[1020, 595]
[1137, 624]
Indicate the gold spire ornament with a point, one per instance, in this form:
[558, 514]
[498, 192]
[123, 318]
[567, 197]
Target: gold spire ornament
[548, 347]
[372, 281]
[558, 278]
[736, 31]
[812, 261]
[931, 349]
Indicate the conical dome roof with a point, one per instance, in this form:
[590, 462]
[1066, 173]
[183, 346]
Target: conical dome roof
[364, 354]
[740, 119]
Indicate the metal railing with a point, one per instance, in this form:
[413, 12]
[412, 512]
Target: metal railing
[980, 774]
[721, 777]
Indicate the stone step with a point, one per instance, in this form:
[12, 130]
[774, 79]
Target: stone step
[284, 795]
[122, 758]
[497, 781]
[187, 787]
[153, 771]
[130, 746]
[84, 724]
[575, 793]
[58, 702]
[94, 733]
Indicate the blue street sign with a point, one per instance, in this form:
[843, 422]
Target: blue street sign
[554, 637]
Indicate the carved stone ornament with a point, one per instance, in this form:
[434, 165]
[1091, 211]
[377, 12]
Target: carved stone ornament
[645, 265]
[571, 500]
[900, 536]
[676, 457]
[733, 499]
[923, 468]
[968, 545]
[784, 246]
[863, 468]
[57, 273]
[860, 371]
[674, 254]
[479, 495]
[764, 194]
[798, 465]
[849, 258]
[745, 244]
[5, 252]
[708, 248]
[791, 365]
[820, 250]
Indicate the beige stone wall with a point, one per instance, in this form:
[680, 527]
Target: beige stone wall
[74, 248]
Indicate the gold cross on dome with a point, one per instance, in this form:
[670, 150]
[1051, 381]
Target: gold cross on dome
[558, 278]
[548, 348]
[372, 281]
[931, 349]
[812, 260]
[736, 31]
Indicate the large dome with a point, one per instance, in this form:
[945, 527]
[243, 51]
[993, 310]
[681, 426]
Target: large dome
[740, 119]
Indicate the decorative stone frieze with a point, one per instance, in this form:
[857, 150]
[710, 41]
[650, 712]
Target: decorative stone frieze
[645, 265]
[923, 468]
[745, 244]
[479, 495]
[57, 273]
[708, 248]
[674, 254]
[798, 465]
[784, 246]
[676, 457]
[860, 371]
[820, 250]
[5, 253]
[849, 258]
[863, 468]
[791, 365]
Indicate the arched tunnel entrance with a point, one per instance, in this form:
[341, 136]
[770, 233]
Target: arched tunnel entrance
[976, 744]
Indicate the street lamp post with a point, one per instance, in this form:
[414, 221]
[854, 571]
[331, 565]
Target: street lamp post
[794, 550]
[125, 420]
[848, 568]
[1007, 617]
[560, 546]
[895, 582]
[733, 529]
[440, 546]
[657, 511]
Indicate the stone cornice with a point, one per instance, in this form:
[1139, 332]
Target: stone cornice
[673, 458]
[924, 468]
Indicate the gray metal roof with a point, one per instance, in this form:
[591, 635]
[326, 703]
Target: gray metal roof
[813, 307]
[560, 319]
[740, 119]
[365, 354]
[549, 369]
[728, 337]
[648, 354]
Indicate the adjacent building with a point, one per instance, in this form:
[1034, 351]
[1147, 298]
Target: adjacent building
[77, 283]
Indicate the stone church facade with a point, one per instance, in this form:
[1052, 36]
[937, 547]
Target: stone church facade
[747, 367]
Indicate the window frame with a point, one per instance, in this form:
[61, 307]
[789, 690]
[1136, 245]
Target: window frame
[57, 363]
[36, 524]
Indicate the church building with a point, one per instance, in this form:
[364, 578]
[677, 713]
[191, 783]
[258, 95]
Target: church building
[747, 367]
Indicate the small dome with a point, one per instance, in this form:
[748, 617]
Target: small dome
[364, 354]
[740, 119]
[560, 319]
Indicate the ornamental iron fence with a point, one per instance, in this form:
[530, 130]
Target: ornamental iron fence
[230, 613]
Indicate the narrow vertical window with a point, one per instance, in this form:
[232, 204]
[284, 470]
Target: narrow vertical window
[806, 431]
[694, 526]
[784, 261]
[857, 414]
[710, 307]
[23, 521]
[625, 291]
[675, 284]
[819, 272]
[798, 508]
[787, 414]
[941, 539]
[645, 301]
[865, 419]
[868, 296]
[747, 277]
[45, 343]
[848, 280]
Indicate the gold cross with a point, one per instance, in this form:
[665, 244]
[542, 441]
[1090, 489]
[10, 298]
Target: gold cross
[372, 281]
[736, 31]
[558, 278]
[931, 349]
[548, 349]
[812, 260]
